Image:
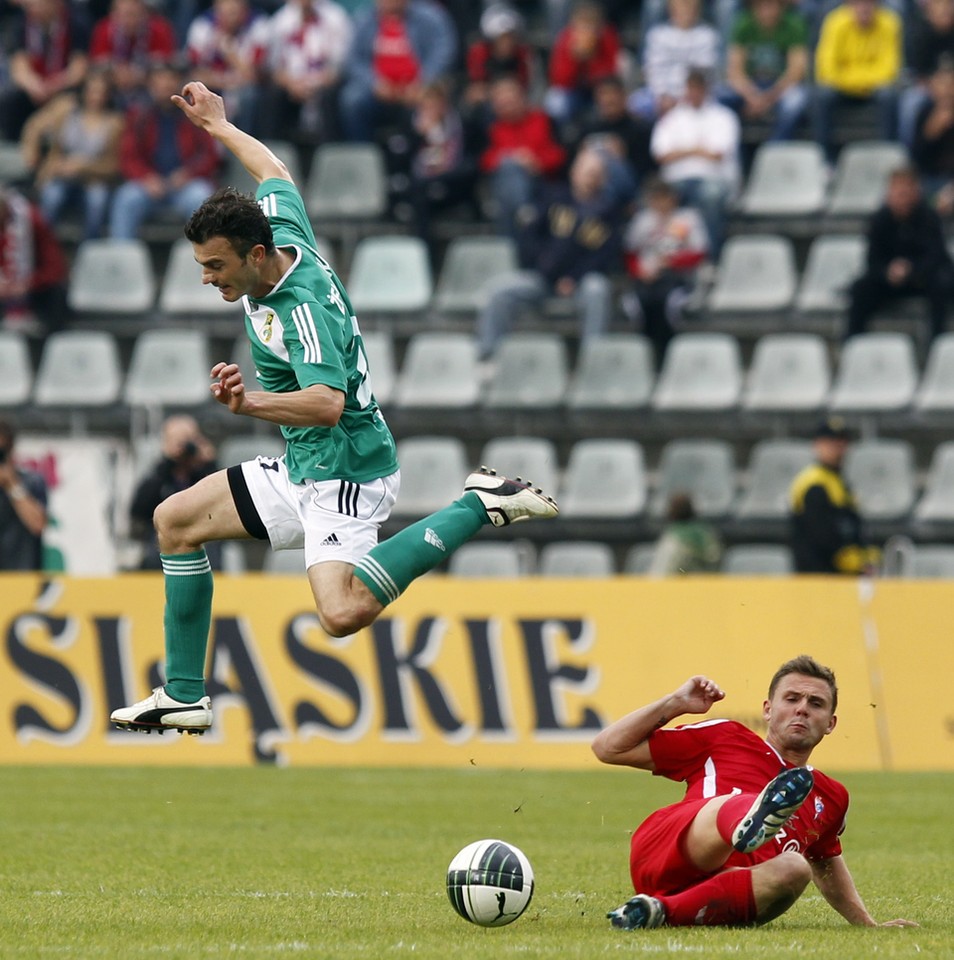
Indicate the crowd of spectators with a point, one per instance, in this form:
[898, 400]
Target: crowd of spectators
[480, 113]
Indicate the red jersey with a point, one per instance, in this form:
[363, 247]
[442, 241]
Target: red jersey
[394, 57]
[715, 757]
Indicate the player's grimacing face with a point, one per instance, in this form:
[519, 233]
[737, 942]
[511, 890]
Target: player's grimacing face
[799, 714]
[234, 276]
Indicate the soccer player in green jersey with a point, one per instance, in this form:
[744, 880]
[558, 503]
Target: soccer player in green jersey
[339, 476]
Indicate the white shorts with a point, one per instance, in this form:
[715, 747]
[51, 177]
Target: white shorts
[331, 519]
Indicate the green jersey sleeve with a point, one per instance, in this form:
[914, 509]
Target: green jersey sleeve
[284, 207]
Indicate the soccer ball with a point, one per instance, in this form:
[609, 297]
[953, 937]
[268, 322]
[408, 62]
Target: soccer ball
[490, 883]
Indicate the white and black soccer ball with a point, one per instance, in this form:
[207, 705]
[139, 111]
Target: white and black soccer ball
[490, 883]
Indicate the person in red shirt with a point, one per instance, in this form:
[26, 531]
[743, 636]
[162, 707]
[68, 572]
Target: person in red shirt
[756, 822]
[521, 150]
[500, 51]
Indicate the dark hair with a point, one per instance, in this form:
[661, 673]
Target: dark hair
[809, 667]
[680, 508]
[7, 433]
[235, 216]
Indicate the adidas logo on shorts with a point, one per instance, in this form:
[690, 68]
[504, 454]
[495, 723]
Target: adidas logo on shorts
[433, 539]
[331, 541]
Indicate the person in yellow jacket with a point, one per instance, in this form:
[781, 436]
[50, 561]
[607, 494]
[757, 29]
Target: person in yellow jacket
[827, 533]
[858, 59]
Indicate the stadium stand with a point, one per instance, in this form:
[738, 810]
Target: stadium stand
[506, 559]
[577, 558]
[16, 369]
[758, 559]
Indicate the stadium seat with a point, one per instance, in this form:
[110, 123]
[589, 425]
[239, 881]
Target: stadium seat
[834, 261]
[379, 348]
[930, 561]
[16, 369]
[78, 368]
[615, 371]
[758, 559]
[502, 560]
[440, 371]
[532, 458]
[881, 473]
[169, 368]
[241, 353]
[703, 469]
[530, 371]
[789, 373]
[390, 274]
[773, 465]
[604, 479]
[284, 562]
[756, 274]
[639, 558]
[861, 176]
[700, 372]
[433, 471]
[935, 395]
[347, 180]
[787, 179]
[876, 372]
[238, 449]
[936, 504]
[469, 263]
[112, 276]
[577, 558]
[13, 168]
[182, 289]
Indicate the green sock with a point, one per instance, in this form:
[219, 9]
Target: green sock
[390, 567]
[186, 621]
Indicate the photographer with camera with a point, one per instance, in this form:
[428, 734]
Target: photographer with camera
[22, 509]
[187, 457]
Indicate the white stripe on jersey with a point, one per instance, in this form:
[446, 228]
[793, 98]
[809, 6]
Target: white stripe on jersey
[269, 205]
[305, 324]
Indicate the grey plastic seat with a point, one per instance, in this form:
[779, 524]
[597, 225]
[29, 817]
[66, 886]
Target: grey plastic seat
[347, 180]
[756, 274]
[379, 349]
[936, 504]
[934, 561]
[469, 264]
[78, 368]
[16, 369]
[182, 289]
[876, 372]
[700, 372]
[112, 276]
[502, 560]
[639, 559]
[881, 473]
[239, 449]
[169, 368]
[833, 263]
[703, 469]
[604, 479]
[790, 372]
[615, 371]
[530, 371]
[241, 353]
[284, 562]
[861, 176]
[787, 179]
[13, 169]
[935, 393]
[433, 471]
[577, 558]
[440, 370]
[532, 458]
[390, 274]
[773, 465]
[758, 559]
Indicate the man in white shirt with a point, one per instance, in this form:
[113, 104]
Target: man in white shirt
[696, 145]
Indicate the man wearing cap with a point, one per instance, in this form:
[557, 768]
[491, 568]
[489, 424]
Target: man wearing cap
[826, 529]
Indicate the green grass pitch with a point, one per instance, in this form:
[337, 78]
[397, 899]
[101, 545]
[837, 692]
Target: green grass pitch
[193, 863]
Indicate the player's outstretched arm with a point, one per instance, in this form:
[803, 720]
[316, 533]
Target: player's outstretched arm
[624, 742]
[207, 111]
[837, 886]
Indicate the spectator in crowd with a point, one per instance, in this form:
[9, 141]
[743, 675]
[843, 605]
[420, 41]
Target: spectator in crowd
[663, 246]
[569, 246]
[165, 161]
[398, 47]
[827, 533]
[521, 150]
[186, 457]
[767, 66]
[310, 40]
[672, 49]
[696, 145]
[907, 256]
[931, 43]
[933, 146]
[72, 145]
[128, 40]
[33, 268]
[227, 48]
[23, 498]
[687, 544]
[585, 51]
[48, 56]
[858, 59]
[501, 51]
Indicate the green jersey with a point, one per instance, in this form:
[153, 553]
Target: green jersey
[305, 333]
